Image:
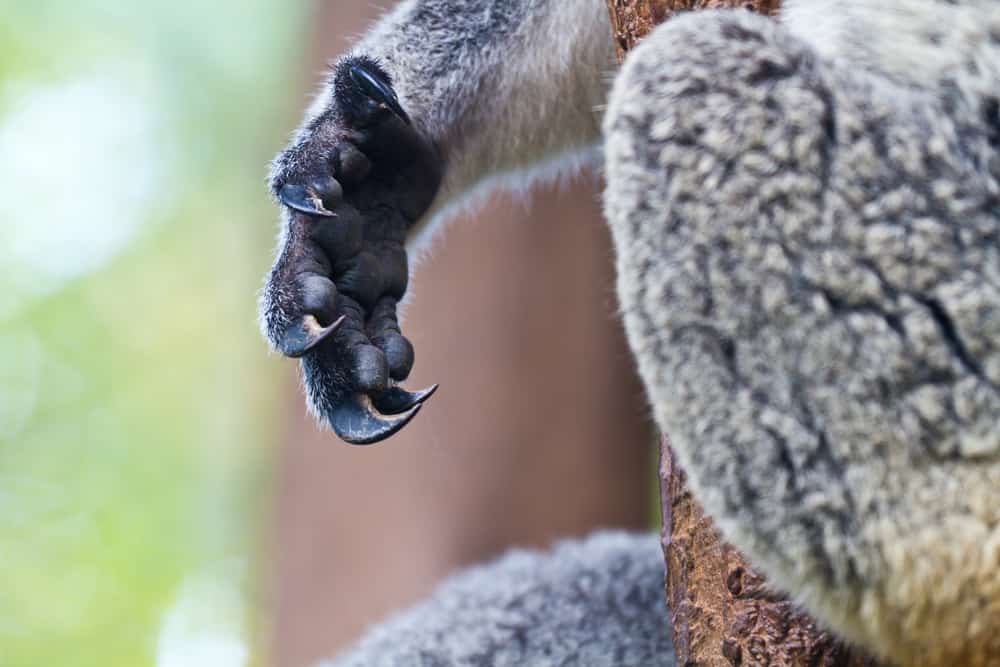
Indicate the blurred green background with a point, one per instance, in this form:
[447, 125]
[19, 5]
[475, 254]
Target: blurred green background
[134, 232]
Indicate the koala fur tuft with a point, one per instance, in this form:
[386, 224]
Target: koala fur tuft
[598, 601]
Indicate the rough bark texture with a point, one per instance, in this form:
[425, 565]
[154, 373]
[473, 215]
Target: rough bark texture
[631, 19]
[722, 611]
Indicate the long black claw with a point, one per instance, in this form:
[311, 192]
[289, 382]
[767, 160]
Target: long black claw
[303, 199]
[396, 399]
[356, 421]
[378, 91]
[306, 334]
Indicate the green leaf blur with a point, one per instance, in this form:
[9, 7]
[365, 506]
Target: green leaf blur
[137, 401]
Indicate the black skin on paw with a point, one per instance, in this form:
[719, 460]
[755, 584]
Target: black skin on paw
[357, 177]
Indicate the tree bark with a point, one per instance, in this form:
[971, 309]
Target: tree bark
[721, 609]
[632, 19]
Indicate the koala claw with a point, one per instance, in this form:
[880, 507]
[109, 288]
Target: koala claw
[307, 334]
[396, 400]
[304, 199]
[377, 89]
[357, 421]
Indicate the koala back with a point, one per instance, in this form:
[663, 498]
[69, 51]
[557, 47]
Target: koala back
[808, 247]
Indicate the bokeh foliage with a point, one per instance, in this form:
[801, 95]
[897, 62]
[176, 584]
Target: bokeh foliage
[138, 407]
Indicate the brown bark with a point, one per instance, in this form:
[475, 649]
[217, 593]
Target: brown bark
[632, 19]
[721, 609]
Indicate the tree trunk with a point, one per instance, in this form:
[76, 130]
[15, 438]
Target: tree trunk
[721, 609]
[632, 19]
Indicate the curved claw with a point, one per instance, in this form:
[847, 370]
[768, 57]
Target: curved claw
[378, 91]
[303, 199]
[305, 335]
[396, 399]
[356, 421]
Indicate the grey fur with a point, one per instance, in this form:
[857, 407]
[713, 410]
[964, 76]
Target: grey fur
[808, 252]
[594, 602]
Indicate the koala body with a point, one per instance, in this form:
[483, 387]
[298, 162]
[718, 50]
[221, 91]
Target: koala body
[810, 278]
[806, 216]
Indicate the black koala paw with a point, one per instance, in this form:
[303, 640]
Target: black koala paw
[354, 180]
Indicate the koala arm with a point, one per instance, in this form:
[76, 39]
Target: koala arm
[436, 99]
[806, 241]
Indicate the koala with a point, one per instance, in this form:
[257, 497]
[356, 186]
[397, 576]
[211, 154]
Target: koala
[806, 220]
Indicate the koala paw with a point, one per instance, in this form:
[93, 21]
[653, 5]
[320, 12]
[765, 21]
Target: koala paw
[354, 180]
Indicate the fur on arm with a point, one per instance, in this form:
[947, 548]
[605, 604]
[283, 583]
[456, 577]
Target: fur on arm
[598, 601]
